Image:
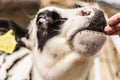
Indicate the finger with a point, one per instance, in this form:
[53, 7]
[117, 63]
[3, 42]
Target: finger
[112, 29]
[116, 33]
[114, 20]
[108, 29]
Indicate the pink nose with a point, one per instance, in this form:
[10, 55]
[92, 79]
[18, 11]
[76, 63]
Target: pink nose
[85, 12]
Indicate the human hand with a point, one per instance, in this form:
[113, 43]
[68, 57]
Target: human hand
[113, 27]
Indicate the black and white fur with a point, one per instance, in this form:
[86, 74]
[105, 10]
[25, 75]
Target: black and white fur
[18, 65]
[64, 42]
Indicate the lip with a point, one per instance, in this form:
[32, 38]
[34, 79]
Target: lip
[89, 28]
[95, 33]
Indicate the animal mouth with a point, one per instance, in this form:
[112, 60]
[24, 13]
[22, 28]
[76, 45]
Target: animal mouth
[95, 26]
[87, 32]
[90, 38]
[94, 31]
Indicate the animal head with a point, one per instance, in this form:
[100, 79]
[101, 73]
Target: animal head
[64, 30]
[62, 41]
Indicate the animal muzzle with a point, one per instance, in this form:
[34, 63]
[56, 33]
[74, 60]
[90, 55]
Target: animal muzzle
[96, 17]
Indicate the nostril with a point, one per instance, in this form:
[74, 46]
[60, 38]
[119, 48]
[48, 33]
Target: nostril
[85, 12]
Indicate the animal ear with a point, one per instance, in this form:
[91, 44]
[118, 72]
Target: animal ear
[6, 25]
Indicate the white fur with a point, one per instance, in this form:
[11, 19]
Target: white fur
[21, 70]
[58, 60]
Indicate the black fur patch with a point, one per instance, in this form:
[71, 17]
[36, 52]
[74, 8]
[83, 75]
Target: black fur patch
[98, 22]
[48, 26]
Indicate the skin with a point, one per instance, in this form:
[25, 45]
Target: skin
[113, 27]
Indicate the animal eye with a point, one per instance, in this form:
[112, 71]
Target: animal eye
[40, 21]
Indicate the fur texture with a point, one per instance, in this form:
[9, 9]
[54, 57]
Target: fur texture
[18, 65]
[70, 39]
[60, 45]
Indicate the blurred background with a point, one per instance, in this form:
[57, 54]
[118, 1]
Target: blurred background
[106, 66]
